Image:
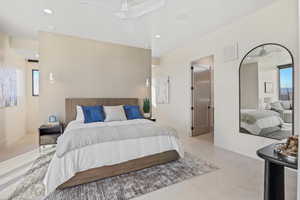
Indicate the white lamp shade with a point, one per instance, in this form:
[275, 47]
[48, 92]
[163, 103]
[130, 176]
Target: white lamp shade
[147, 82]
[51, 77]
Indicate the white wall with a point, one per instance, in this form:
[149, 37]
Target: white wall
[87, 68]
[277, 23]
[268, 74]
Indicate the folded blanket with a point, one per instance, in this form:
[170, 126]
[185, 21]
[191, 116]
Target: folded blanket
[251, 117]
[80, 137]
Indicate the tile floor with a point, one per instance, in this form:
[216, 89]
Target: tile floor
[27, 143]
[239, 177]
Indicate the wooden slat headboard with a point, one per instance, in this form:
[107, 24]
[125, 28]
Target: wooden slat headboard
[72, 102]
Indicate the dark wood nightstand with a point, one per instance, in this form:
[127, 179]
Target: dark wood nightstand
[49, 134]
[151, 119]
[274, 173]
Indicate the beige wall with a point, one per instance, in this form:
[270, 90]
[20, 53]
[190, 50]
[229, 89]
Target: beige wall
[249, 86]
[13, 119]
[32, 102]
[87, 68]
[261, 27]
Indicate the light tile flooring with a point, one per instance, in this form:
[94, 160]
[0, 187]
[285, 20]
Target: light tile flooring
[239, 177]
[27, 143]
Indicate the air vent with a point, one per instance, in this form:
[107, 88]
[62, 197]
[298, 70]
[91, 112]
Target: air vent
[138, 8]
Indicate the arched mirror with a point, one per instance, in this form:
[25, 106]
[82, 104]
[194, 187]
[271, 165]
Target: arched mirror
[267, 92]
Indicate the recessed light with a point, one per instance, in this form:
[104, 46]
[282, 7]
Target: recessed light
[157, 36]
[48, 11]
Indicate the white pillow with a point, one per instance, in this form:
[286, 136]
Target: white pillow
[79, 114]
[276, 106]
[286, 105]
[114, 113]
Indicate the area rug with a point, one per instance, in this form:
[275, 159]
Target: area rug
[123, 187]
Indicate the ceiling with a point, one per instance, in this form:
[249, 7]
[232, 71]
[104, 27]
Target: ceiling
[176, 22]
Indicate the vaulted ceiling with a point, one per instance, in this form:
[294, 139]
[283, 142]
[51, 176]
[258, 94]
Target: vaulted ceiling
[176, 22]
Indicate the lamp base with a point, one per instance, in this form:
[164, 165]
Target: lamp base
[147, 115]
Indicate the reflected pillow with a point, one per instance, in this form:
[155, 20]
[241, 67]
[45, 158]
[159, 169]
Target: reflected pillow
[276, 106]
[286, 105]
[93, 114]
[133, 112]
[114, 113]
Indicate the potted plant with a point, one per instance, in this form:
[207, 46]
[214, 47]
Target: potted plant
[146, 108]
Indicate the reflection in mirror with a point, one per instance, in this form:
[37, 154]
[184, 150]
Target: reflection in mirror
[266, 92]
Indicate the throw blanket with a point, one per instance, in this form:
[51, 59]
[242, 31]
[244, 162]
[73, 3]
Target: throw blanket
[84, 135]
[252, 117]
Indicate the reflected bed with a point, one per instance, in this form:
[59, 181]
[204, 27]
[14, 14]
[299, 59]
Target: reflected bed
[260, 122]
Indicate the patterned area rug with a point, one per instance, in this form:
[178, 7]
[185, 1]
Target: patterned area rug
[126, 186]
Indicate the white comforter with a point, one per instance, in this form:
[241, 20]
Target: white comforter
[259, 125]
[108, 153]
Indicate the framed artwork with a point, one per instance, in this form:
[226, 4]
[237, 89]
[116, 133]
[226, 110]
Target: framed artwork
[269, 88]
[162, 90]
[8, 87]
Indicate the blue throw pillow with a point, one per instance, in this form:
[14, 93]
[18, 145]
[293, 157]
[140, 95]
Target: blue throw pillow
[133, 112]
[93, 114]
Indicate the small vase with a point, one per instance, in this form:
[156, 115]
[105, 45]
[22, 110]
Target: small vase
[147, 115]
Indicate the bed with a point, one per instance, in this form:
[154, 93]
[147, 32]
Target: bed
[88, 152]
[260, 122]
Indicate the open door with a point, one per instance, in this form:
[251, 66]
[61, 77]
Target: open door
[202, 109]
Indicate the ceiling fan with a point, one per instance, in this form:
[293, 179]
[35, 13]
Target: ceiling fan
[129, 9]
[262, 52]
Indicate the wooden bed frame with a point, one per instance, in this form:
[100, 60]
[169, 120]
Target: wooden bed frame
[118, 169]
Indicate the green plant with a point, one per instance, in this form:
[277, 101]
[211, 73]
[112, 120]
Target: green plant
[146, 106]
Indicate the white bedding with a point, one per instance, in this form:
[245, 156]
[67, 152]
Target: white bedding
[261, 124]
[109, 153]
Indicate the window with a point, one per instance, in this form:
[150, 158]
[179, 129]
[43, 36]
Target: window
[285, 82]
[35, 82]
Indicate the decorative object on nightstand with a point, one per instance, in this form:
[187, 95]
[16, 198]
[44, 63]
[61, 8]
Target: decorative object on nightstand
[146, 108]
[48, 133]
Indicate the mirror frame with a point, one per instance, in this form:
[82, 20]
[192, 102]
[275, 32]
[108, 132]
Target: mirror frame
[293, 83]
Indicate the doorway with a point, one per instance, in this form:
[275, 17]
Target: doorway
[202, 96]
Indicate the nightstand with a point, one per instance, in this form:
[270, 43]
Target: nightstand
[49, 134]
[151, 119]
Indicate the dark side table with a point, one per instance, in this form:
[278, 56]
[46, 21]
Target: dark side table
[49, 134]
[274, 173]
